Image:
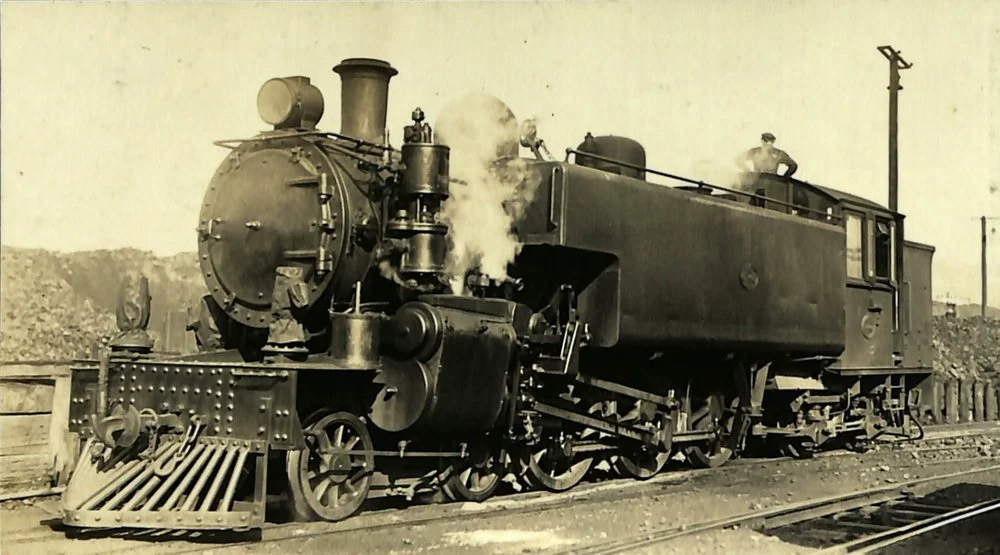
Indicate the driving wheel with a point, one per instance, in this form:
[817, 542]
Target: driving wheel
[474, 479]
[551, 469]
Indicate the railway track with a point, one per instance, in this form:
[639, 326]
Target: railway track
[856, 522]
[519, 504]
[522, 505]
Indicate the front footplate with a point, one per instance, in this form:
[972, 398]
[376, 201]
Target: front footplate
[181, 483]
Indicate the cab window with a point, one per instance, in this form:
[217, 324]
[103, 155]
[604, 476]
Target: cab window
[854, 247]
[884, 236]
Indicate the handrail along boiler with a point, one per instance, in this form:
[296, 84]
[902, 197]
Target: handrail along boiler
[639, 322]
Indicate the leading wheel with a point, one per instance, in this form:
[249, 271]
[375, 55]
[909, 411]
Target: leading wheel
[327, 481]
[715, 453]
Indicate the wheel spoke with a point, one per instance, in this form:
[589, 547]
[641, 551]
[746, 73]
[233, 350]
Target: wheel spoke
[338, 439]
[334, 495]
[349, 486]
[324, 441]
[321, 489]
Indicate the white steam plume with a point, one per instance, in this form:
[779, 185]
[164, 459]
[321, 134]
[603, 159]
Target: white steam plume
[716, 172]
[486, 198]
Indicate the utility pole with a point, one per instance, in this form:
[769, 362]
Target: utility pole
[896, 63]
[983, 277]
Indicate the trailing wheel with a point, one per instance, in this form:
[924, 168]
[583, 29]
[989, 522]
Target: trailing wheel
[715, 453]
[474, 479]
[327, 481]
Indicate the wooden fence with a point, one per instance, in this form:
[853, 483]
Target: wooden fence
[36, 449]
[959, 401]
[36, 452]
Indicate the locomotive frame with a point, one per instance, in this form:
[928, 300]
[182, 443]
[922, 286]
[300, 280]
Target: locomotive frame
[335, 368]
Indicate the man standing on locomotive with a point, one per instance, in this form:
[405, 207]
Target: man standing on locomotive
[766, 158]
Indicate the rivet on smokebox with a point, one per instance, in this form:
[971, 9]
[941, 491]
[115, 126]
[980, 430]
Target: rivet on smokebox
[261, 430]
[263, 407]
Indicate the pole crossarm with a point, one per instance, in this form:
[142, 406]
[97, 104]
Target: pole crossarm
[892, 54]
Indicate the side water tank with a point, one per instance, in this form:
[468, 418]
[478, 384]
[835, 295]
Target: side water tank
[621, 149]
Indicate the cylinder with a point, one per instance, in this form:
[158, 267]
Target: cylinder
[426, 253]
[354, 339]
[426, 169]
[415, 331]
[364, 97]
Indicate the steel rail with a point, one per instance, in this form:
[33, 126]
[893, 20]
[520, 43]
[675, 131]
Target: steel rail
[771, 518]
[867, 544]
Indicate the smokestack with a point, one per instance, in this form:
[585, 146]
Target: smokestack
[364, 97]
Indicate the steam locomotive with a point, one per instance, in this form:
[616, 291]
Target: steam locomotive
[338, 361]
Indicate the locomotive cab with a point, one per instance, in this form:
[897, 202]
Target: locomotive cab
[887, 278]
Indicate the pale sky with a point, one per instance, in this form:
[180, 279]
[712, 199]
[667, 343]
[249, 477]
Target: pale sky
[108, 111]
